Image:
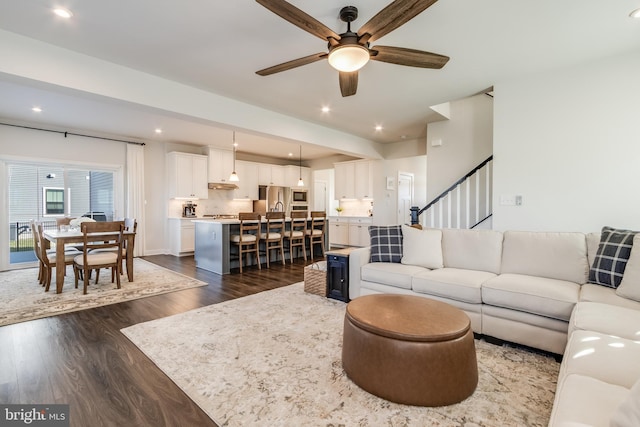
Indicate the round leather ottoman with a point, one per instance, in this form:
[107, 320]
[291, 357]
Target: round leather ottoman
[409, 349]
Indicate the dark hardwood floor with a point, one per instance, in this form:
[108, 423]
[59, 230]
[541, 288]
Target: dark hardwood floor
[83, 360]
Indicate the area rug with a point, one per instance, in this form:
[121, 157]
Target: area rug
[22, 298]
[274, 359]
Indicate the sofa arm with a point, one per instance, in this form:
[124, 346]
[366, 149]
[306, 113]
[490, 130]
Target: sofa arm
[357, 259]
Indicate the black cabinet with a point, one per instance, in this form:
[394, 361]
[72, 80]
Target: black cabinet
[338, 275]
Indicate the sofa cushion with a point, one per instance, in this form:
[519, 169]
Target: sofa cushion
[537, 295]
[611, 259]
[422, 247]
[386, 243]
[604, 357]
[454, 283]
[630, 284]
[607, 319]
[628, 413]
[561, 256]
[472, 249]
[582, 401]
[597, 293]
[388, 273]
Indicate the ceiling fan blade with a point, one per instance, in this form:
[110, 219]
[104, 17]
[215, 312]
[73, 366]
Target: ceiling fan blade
[292, 64]
[348, 83]
[391, 17]
[299, 18]
[409, 57]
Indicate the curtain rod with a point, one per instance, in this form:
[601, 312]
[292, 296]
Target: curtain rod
[73, 134]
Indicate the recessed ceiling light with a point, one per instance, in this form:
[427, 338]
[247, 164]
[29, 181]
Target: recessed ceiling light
[378, 127]
[326, 109]
[290, 154]
[635, 13]
[158, 130]
[37, 109]
[63, 13]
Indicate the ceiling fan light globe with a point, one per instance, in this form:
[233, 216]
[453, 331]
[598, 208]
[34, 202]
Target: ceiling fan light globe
[349, 58]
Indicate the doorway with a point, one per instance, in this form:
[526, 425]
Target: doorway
[44, 192]
[405, 197]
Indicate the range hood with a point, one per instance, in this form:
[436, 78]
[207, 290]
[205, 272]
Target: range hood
[222, 186]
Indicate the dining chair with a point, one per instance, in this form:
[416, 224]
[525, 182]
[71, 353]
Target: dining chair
[274, 235]
[63, 221]
[107, 259]
[249, 238]
[48, 260]
[297, 233]
[130, 225]
[37, 250]
[316, 232]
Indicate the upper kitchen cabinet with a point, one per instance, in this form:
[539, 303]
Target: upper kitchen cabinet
[248, 184]
[353, 180]
[271, 175]
[363, 180]
[187, 175]
[293, 174]
[344, 180]
[220, 165]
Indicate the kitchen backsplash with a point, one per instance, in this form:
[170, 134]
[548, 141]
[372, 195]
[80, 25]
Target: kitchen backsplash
[219, 202]
[355, 208]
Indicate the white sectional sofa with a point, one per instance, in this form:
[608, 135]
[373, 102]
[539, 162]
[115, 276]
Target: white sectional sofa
[530, 288]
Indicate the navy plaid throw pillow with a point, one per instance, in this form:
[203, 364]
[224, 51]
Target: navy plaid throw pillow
[386, 243]
[611, 259]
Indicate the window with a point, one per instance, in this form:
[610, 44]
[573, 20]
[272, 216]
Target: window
[53, 201]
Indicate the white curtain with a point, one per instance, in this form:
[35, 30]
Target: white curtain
[135, 193]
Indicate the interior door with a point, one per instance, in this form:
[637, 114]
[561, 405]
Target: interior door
[405, 197]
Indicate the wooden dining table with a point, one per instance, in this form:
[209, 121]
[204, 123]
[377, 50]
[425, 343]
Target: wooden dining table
[63, 237]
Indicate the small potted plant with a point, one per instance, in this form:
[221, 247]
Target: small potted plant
[339, 210]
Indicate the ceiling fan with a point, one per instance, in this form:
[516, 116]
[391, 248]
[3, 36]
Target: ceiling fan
[349, 51]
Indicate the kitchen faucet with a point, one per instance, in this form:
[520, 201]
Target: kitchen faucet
[275, 208]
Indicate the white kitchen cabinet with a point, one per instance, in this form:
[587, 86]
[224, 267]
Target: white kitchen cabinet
[359, 232]
[187, 175]
[220, 165]
[344, 187]
[248, 184]
[354, 180]
[363, 180]
[271, 175]
[182, 236]
[338, 232]
[349, 231]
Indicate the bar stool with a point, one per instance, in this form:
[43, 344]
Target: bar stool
[297, 233]
[315, 233]
[248, 239]
[274, 237]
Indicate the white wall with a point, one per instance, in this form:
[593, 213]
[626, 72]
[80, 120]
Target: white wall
[467, 140]
[386, 201]
[568, 142]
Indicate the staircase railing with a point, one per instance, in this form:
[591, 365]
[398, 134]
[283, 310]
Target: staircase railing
[466, 204]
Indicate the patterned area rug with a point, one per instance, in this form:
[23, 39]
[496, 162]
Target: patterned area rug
[22, 298]
[274, 359]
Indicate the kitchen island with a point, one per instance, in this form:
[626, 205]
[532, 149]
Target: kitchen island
[213, 243]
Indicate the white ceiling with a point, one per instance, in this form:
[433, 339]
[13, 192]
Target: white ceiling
[217, 46]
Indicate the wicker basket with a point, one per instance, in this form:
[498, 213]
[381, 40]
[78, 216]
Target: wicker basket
[315, 278]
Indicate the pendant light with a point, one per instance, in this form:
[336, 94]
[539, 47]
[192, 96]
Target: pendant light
[300, 181]
[234, 176]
